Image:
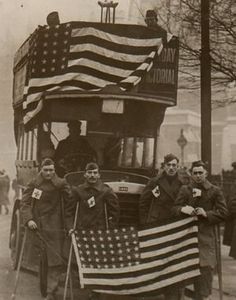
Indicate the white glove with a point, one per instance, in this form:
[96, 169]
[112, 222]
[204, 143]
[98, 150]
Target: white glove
[188, 210]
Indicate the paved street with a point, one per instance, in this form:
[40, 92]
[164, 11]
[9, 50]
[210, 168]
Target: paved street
[28, 283]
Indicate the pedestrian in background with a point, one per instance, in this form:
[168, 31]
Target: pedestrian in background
[230, 225]
[42, 211]
[157, 201]
[207, 202]
[4, 191]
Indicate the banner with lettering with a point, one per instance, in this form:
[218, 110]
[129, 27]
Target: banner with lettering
[162, 80]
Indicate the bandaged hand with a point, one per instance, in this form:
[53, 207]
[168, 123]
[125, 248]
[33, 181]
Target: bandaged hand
[188, 210]
[32, 225]
[71, 231]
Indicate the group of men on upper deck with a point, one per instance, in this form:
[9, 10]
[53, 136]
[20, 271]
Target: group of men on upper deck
[164, 197]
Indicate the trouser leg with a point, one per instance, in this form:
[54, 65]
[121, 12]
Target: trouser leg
[54, 275]
[203, 284]
[174, 293]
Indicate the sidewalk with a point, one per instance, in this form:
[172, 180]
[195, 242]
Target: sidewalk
[228, 275]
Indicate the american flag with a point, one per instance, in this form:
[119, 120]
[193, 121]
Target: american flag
[130, 262]
[86, 57]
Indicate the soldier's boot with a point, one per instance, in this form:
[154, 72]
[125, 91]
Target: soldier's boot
[94, 296]
[50, 296]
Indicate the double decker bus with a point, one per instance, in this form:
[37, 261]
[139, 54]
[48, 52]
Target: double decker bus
[118, 80]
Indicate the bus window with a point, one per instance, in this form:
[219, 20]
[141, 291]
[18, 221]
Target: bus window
[59, 131]
[27, 144]
[136, 152]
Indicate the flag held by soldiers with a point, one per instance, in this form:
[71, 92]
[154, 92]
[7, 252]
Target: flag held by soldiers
[128, 261]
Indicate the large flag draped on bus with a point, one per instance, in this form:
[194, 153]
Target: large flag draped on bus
[127, 261]
[75, 57]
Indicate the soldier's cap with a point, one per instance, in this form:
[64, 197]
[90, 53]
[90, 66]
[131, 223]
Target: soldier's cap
[91, 166]
[170, 157]
[74, 124]
[53, 18]
[150, 13]
[198, 163]
[47, 162]
[234, 164]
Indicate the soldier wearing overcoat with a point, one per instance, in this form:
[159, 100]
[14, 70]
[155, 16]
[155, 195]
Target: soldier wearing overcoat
[42, 212]
[206, 201]
[98, 204]
[159, 195]
[157, 201]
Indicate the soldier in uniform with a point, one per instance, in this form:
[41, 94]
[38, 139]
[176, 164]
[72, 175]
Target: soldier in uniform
[74, 152]
[96, 199]
[41, 211]
[98, 204]
[206, 201]
[157, 201]
[159, 195]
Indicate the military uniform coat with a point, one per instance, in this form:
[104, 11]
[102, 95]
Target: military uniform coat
[47, 212]
[158, 198]
[213, 202]
[93, 200]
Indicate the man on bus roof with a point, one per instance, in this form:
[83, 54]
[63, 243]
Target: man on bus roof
[74, 152]
[151, 21]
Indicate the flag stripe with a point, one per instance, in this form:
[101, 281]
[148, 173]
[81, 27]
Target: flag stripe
[115, 55]
[167, 226]
[168, 239]
[161, 234]
[145, 268]
[178, 276]
[99, 66]
[134, 280]
[109, 61]
[121, 40]
[165, 252]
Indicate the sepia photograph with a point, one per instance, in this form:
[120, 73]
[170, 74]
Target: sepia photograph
[118, 150]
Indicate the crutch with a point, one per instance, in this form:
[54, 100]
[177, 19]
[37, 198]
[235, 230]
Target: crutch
[70, 256]
[106, 216]
[218, 260]
[13, 295]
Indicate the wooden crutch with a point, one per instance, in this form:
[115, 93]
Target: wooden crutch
[70, 255]
[13, 295]
[218, 260]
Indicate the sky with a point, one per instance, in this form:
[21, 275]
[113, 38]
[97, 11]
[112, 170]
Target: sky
[18, 19]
